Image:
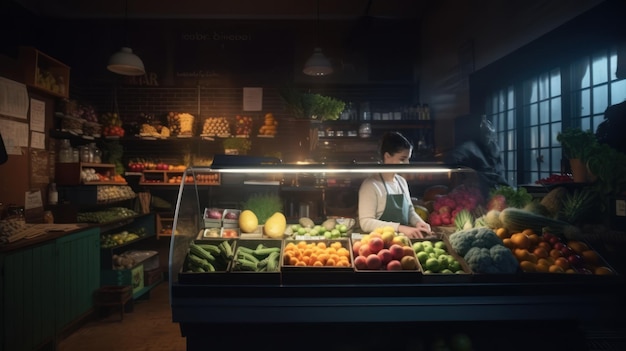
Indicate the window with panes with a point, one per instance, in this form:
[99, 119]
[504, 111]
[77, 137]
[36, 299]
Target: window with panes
[529, 114]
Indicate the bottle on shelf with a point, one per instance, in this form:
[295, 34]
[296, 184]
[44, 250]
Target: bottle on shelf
[53, 194]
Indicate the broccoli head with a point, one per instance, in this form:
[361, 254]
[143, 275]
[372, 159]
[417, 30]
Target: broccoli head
[479, 260]
[463, 240]
[503, 259]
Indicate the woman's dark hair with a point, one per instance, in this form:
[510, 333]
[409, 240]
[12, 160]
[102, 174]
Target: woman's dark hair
[394, 142]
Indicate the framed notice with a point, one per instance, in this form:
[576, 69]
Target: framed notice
[252, 99]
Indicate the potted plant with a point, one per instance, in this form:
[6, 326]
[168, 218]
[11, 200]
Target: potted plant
[236, 146]
[578, 145]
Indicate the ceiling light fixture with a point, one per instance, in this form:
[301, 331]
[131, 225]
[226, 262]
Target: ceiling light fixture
[125, 62]
[317, 64]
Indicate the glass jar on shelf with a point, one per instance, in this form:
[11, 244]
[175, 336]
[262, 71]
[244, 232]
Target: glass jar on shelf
[65, 151]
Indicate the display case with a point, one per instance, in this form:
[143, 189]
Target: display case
[294, 302]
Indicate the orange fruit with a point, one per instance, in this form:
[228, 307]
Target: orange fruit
[562, 262]
[534, 239]
[528, 232]
[556, 253]
[571, 271]
[520, 240]
[508, 243]
[540, 252]
[590, 256]
[603, 270]
[556, 269]
[521, 254]
[577, 246]
[548, 261]
[541, 267]
[527, 266]
[544, 244]
[502, 233]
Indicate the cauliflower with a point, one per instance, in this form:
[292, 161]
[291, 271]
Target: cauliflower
[503, 259]
[463, 240]
[497, 259]
[479, 260]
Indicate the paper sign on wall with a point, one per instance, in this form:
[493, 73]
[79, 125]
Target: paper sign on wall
[252, 99]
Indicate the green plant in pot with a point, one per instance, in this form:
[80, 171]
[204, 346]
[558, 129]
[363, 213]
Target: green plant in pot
[609, 167]
[578, 145]
[241, 145]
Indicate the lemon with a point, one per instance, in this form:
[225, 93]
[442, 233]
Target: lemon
[248, 221]
[275, 225]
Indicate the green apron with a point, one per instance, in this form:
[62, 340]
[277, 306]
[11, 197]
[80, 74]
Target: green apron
[396, 207]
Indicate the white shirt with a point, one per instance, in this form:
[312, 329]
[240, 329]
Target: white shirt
[373, 198]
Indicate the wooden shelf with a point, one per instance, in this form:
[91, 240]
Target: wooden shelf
[44, 72]
[70, 173]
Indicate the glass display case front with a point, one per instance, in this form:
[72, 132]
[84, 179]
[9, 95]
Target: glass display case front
[259, 270]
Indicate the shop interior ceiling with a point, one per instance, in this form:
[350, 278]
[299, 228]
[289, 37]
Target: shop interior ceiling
[230, 9]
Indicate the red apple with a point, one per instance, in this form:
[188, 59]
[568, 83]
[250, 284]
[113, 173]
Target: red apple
[360, 262]
[364, 250]
[385, 256]
[355, 247]
[394, 265]
[373, 262]
[396, 251]
[376, 244]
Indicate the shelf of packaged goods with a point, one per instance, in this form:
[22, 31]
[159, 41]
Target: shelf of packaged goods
[174, 178]
[70, 173]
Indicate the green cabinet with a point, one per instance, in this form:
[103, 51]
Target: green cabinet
[78, 274]
[28, 306]
[45, 287]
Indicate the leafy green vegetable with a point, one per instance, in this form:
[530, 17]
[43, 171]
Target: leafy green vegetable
[263, 205]
[311, 105]
[514, 197]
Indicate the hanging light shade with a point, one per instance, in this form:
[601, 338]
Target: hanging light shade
[317, 64]
[125, 62]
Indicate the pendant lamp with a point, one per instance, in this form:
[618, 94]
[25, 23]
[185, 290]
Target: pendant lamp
[317, 64]
[125, 62]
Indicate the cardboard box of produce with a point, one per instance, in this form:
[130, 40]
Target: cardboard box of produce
[317, 261]
[385, 259]
[257, 261]
[222, 251]
[438, 262]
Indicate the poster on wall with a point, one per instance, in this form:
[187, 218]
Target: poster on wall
[13, 98]
[252, 99]
[14, 135]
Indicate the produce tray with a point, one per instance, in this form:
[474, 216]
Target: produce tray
[293, 274]
[253, 277]
[221, 273]
[436, 278]
[383, 276]
[574, 277]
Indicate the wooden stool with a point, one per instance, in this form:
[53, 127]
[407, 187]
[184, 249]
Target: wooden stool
[113, 296]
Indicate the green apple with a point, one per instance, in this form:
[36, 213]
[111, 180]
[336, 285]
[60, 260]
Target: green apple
[328, 235]
[443, 262]
[432, 264]
[343, 228]
[422, 256]
[335, 233]
[455, 266]
[440, 244]
[439, 251]
[301, 231]
[295, 227]
[418, 246]
[446, 271]
[314, 232]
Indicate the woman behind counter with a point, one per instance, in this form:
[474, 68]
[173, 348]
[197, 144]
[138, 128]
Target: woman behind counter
[384, 198]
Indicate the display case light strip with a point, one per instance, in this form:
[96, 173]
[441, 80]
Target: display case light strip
[334, 170]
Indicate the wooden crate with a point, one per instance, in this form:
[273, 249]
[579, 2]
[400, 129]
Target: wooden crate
[37, 64]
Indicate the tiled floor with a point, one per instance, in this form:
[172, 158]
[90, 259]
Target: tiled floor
[148, 327]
